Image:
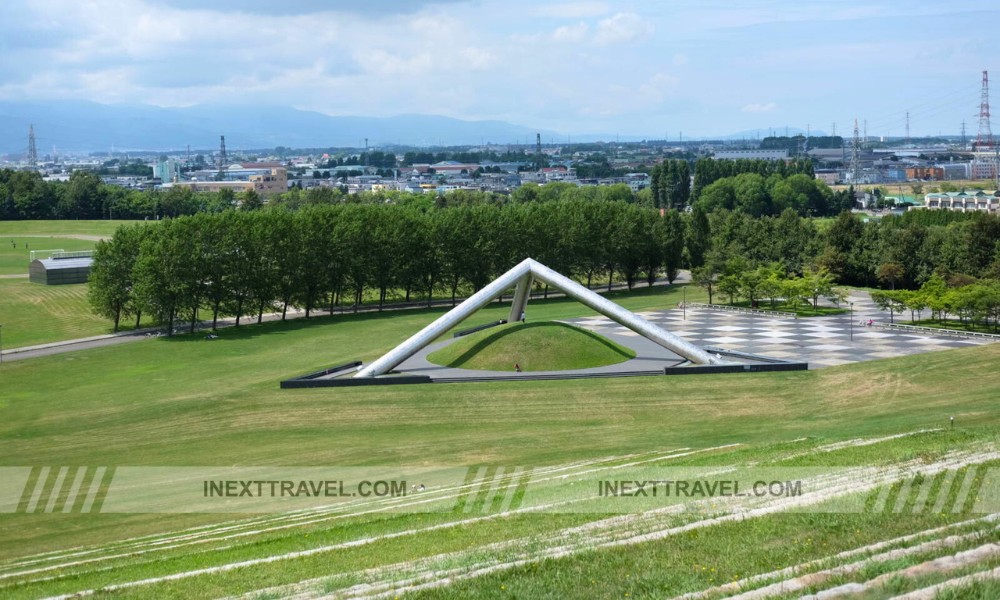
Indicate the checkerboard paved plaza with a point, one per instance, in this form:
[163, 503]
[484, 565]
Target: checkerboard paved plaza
[820, 341]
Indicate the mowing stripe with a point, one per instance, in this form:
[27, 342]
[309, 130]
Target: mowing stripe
[298, 524]
[193, 532]
[817, 578]
[736, 586]
[943, 564]
[857, 443]
[929, 593]
[583, 538]
[290, 555]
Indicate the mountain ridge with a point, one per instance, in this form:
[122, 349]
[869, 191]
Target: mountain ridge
[74, 126]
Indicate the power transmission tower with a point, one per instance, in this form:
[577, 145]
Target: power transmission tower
[907, 127]
[963, 134]
[222, 156]
[864, 136]
[985, 138]
[856, 155]
[538, 151]
[834, 127]
[32, 149]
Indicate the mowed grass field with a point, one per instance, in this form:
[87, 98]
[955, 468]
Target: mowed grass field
[15, 257]
[193, 402]
[99, 229]
[37, 314]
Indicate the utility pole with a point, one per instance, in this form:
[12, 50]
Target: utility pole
[856, 156]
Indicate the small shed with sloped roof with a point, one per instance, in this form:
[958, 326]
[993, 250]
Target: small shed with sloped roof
[59, 271]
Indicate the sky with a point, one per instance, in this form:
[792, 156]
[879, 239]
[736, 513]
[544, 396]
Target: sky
[656, 68]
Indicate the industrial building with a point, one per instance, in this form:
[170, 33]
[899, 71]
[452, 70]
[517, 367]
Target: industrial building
[751, 154]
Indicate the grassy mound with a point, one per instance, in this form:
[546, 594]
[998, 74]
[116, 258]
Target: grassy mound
[547, 346]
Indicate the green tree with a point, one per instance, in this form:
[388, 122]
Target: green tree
[818, 282]
[890, 273]
[674, 243]
[110, 290]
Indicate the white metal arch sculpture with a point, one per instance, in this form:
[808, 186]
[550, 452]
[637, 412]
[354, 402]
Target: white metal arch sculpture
[522, 276]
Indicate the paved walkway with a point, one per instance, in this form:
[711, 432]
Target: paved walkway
[820, 341]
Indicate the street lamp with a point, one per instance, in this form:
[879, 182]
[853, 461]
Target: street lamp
[852, 320]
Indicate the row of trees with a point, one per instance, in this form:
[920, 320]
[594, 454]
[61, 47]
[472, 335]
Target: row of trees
[708, 170]
[756, 195]
[670, 184]
[242, 263]
[904, 252]
[772, 282]
[976, 302]
[416, 246]
[24, 195]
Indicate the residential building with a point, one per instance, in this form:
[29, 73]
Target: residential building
[963, 201]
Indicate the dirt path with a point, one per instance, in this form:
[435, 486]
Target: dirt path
[72, 236]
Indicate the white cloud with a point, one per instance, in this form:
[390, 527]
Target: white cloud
[623, 27]
[618, 99]
[571, 33]
[572, 10]
[477, 58]
[757, 108]
[538, 63]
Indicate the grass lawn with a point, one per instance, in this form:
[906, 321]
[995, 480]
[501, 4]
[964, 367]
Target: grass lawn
[952, 324]
[56, 228]
[801, 310]
[545, 346]
[32, 313]
[14, 261]
[187, 401]
[35, 314]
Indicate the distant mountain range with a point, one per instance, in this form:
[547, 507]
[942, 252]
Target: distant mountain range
[73, 126]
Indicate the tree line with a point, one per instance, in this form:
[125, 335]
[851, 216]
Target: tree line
[244, 263]
[24, 195]
[976, 302]
[946, 262]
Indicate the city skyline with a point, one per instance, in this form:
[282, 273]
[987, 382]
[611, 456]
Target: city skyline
[632, 68]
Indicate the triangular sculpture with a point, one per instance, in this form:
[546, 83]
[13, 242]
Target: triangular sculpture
[521, 276]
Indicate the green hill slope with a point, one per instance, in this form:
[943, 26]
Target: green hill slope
[546, 346]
